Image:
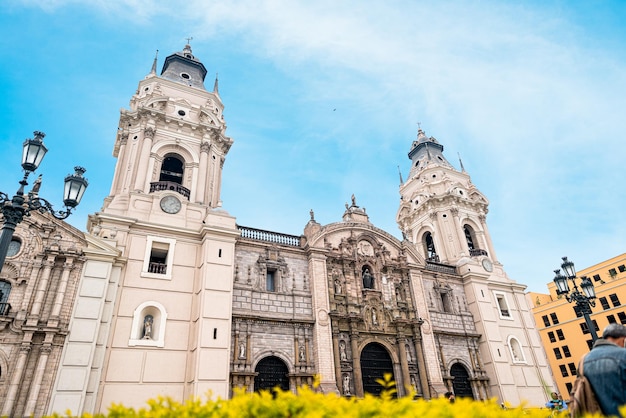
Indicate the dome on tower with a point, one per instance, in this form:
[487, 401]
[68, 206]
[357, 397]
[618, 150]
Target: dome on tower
[183, 67]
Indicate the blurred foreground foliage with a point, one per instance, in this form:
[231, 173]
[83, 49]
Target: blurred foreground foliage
[310, 403]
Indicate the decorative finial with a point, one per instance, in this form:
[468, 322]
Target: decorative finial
[154, 63]
[461, 162]
[353, 200]
[215, 86]
[312, 215]
[400, 173]
[189, 39]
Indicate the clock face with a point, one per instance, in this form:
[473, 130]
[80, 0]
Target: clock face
[487, 265]
[170, 204]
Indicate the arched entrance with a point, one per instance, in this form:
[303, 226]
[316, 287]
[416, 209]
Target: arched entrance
[272, 372]
[375, 362]
[461, 383]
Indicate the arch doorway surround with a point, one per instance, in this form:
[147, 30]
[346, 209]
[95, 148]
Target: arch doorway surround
[461, 383]
[271, 372]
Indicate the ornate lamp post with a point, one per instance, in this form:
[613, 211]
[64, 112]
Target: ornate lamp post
[14, 209]
[584, 298]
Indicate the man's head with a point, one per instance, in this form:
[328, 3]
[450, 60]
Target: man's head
[615, 333]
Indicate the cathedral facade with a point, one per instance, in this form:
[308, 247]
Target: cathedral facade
[193, 303]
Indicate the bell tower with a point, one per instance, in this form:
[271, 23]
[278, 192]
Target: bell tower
[171, 312]
[443, 215]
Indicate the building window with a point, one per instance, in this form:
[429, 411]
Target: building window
[546, 321]
[503, 305]
[596, 277]
[469, 237]
[578, 311]
[270, 281]
[557, 353]
[555, 319]
[585, 328]
[429, 244]
[612, 273]
[159, 258]
[621, 268]
[566, 351]
[572, 368]
[590, 344]
[552, 337]
[14, 247]
[559, 333]
[622, 317]
[605, 303]
[564, 372]
[611, 319]
[614, 300]
[5, 290]
[148, 327]
[172, 169]
[569, 387]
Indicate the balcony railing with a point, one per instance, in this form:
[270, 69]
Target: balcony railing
[440, 267]
[477, 252]
[158, 186]
[5, 308]
[158, 268]
[269, 236]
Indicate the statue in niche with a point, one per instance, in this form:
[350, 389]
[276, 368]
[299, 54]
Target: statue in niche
[343, 356]
[413, 383]
[242, 350]
[374, 317]
[302, 354]
[368, 279]
[338, 289]
[346, 384]
[408, 353]
[148, 320]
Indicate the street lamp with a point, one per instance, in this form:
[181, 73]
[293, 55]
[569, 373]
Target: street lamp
[14, 209]
[584, 298]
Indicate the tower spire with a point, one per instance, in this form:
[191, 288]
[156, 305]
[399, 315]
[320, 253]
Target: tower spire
[400, 174]
[154, 63]
[215, 86]
[461, 162]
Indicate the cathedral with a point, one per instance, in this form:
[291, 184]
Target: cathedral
[165, 294]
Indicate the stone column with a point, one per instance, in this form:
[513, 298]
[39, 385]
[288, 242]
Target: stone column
[118, 180]
[421, 364]
[16, 380]
[460, 232]
[42, 285]
[144, 158]
[492, 253]
[356, 361]
[404, 366]
[58, 301]
[336, 356]
[35, 386]
[201, 194]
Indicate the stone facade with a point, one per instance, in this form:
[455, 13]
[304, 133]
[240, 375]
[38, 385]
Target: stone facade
[183, 302]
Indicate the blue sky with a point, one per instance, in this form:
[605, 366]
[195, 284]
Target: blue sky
[323, 100]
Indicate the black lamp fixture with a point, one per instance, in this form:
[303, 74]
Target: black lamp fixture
[584, 298]
[15, 208]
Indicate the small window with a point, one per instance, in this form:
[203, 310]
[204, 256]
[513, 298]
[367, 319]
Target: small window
[552, 337]
[185, 76]
[622, 317]
[590, 344]
[605, 303]
[503, 305]
[555, 319]
[172, 169]
[270, 281]
[564, 372]
[5, 290]
[621, 268]
[584, 328]
[559, 333]
[614, 300]
[566, 351]
[557, 353]
[14, 247]
[469, 237]
[517, 352]
[596, 277]
[572, 368]
[578, 311]
[569, 387]
[612, 273]
[429, 244]
[546, 321]
[611, 319]
[159, 258]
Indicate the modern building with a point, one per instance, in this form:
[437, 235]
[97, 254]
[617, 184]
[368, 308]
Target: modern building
[564, 332]
[199, 304]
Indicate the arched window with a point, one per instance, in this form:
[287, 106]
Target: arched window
[470, 237]
[172, 169]
[5, 290]
[148, 328]
[429, 245]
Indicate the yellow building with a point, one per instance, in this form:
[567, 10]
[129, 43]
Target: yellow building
[564, 333]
